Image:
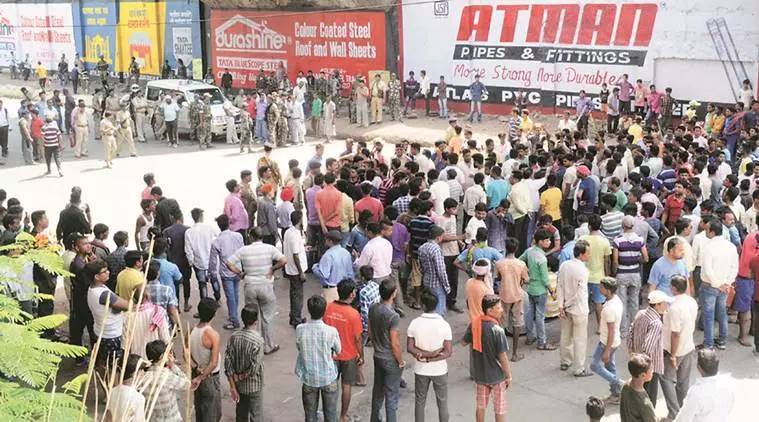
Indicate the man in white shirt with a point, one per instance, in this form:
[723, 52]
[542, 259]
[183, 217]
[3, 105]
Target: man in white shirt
[718, 272]
[424, 91]
[567, 123]
[474, 195]
[197, 246]
[521, 204]
[378, 251]
[572, 299]
[677, 336]
[294, 250]
[711, 397]
[604, 363]
[429, 340]
[439, 190]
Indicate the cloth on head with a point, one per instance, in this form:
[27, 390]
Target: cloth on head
[583, 171]
[481, 267]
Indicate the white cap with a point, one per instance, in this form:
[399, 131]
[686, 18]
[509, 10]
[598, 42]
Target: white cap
[658, 296]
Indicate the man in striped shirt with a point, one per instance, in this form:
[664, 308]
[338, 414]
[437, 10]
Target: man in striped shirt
[611, 221]
[243, 366]
[51, 135]
[628, 252]
[646, 337]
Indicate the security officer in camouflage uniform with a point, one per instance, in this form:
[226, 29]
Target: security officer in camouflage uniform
[102, 68]
[205, 118]
[394, 97]
[246, 129]
[322, 85]
[97, 109]
[261, 82]
[194, 114]
[352, 101]
[283, 129]
[157, 121]
[272, 117]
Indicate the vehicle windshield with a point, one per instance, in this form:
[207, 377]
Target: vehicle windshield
[216, 97]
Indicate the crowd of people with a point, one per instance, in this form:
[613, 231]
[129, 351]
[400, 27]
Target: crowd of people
[642, 234]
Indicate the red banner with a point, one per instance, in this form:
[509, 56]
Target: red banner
[246, 41]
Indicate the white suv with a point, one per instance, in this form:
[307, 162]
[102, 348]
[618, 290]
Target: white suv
[185, 92]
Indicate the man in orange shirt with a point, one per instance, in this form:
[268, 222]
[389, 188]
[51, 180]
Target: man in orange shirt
[476, 288]
[328, 201]
[513, 274]
[341, 315]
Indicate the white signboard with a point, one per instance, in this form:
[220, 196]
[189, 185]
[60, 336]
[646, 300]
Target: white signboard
[552, 49]
[44, 32]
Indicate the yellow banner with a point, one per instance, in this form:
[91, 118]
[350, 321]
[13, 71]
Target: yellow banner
[141, 36]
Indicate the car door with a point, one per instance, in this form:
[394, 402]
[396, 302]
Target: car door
[184, 100]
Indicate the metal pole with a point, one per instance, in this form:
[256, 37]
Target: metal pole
[732, 42]
[709, 25]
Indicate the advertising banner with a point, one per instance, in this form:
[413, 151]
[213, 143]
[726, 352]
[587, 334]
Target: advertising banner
[44, 31]
[8, 34]
[182, 32]
[246, 41]
[141, 36]
[96, 31]
[550, 50]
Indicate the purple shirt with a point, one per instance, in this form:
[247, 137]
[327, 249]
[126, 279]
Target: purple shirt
[399, 239]
[235, 210]
[583, 105]
[625, 90]
[313, 217]
[261, 106]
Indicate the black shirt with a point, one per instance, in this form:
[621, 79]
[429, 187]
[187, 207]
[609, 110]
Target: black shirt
[176, 254]
[484, 366]
[71, 220]
[166, 212]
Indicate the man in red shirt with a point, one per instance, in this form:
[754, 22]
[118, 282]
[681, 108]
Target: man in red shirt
[673, 206]
[341, 315]
[328, 202]
[36, 132]
[369, 203]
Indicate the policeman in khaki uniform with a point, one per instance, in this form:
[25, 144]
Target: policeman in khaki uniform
[97, 109]
[140, 106]
[81, 129]
[377, 91]
[205, 118]
[394, 97]
[107, 134]
[124, 129]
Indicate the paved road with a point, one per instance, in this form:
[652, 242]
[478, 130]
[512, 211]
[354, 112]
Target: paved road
[540, 392]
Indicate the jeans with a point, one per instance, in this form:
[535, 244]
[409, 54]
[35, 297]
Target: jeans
[607, 371]
[612, 123]
[250, 408]
[387, 383]
[441, 307]
[4, 140]
[203, 279]
[714, 301]
[328, 393]
[756, 325]
[475, 107]
[262, 294]
[535, 320]
[442, 103]
[296, 298]
[628, 290]
[208, 400]
[50, 153]
[453, 280]
[171, 132]
[421, 387]
[261, 130]
[521, 226]
[676, 381]
[233, 297]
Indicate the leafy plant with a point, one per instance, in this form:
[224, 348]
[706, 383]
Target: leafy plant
[29, 363]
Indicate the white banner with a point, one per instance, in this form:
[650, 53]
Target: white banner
[44, 32]
[182, 44]
[8, 33]
[552, 49]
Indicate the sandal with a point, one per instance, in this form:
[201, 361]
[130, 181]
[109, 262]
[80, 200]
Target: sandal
[230, 326]
[583, 374]
[547, 346]
[564, 367]
[415, 306]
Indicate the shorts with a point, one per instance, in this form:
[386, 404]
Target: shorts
[110, 351]
[744, 294]
[594, 293]
[498, 391]
[347, 370]
[513, 312]
[416, 273]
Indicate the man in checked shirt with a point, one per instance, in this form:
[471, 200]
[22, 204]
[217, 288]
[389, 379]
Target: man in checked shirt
[243, 366]
[646, 337]
[432, 263]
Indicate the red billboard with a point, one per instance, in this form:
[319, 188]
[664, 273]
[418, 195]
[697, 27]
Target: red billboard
[246, 41]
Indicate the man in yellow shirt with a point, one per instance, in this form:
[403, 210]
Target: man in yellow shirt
[550, 201]
[41, 74]
[527, 124]
[636, 130]
[450, 131]
[599, 262]
[131, 277]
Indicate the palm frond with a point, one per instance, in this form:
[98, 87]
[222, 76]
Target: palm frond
[47, 322]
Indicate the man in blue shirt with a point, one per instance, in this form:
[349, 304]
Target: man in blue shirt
[170, 274]
[497, 189]
[334, 266]
[476, 91]
[669, 265]
[587, 192]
